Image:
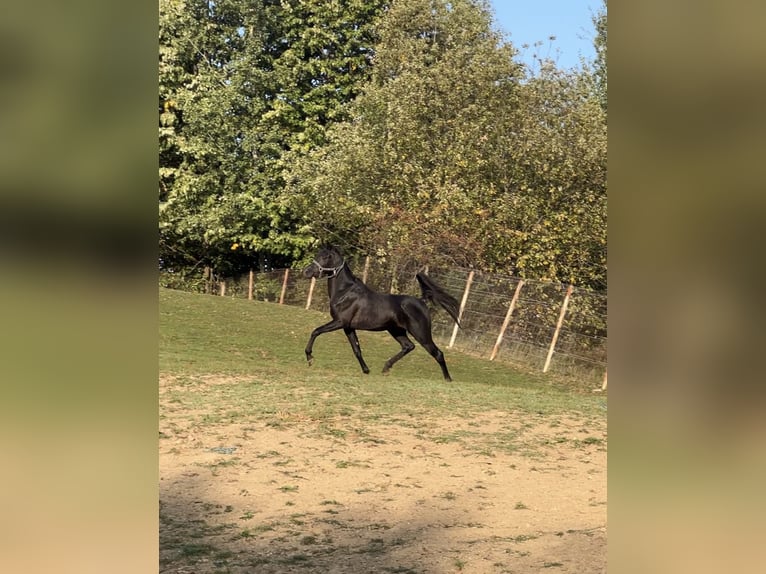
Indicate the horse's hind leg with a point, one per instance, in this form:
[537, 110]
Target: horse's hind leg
[354, 340]
[407, 346]
[437, 354]
[422, 334]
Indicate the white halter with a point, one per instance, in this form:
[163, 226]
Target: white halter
[333, 270]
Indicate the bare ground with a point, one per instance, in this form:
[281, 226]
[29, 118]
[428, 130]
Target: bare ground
[497, 493]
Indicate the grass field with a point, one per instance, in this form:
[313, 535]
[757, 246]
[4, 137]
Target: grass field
[268, 462]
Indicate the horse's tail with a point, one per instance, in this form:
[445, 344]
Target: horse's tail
[432, 292]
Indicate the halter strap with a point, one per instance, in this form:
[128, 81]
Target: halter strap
[333, 270]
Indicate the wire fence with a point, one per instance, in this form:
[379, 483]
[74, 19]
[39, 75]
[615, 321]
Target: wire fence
[535, 325]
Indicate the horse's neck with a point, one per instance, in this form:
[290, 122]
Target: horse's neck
[342, 281]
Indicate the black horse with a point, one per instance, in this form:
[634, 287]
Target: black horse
[353, 306]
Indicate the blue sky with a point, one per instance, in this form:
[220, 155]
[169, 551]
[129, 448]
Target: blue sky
[529, 21]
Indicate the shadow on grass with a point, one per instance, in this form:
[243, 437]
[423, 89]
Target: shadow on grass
[198, 534]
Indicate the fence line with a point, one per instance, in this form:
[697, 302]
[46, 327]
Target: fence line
[284, 287]
[534, 324]
[462, 307]
[311, 293]
[556, 333]
[507, 319]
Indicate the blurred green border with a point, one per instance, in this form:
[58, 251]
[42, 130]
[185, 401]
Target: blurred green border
[686, 149]
[78, 158]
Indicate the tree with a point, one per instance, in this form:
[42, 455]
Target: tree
[242, 83]
[402, 128]
[316, 57]
[210, 96]
[407, 168]
[549, 221]
[456, 154]
[599, 42]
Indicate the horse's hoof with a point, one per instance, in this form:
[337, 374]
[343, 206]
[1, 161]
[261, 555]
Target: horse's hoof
[366, 371]
[311, 361]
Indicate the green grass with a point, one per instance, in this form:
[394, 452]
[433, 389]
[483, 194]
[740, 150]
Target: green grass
[258, 349]
[196, 549]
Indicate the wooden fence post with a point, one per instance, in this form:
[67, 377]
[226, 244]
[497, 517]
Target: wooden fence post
[558, 328]
[507, 319]
[462, 308]
[250, 287]
[366, 268]
[223, 288]
[311, 292]
[284, 287]
[207, 275]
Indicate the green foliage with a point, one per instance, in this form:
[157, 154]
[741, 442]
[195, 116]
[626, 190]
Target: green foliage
[407, 169]
[405, 129]
[210, 99]
[600, 65]
[553, 201]
[454, 148]
[265, 289]
[241, 83]
[185, 280]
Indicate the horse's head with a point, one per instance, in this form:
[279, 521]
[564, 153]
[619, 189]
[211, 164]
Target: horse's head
[327, 264]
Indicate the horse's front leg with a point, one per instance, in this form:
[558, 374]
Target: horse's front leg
[354, 340]
[333, 325]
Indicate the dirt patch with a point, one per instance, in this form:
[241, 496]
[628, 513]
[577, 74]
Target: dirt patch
[489, 494]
